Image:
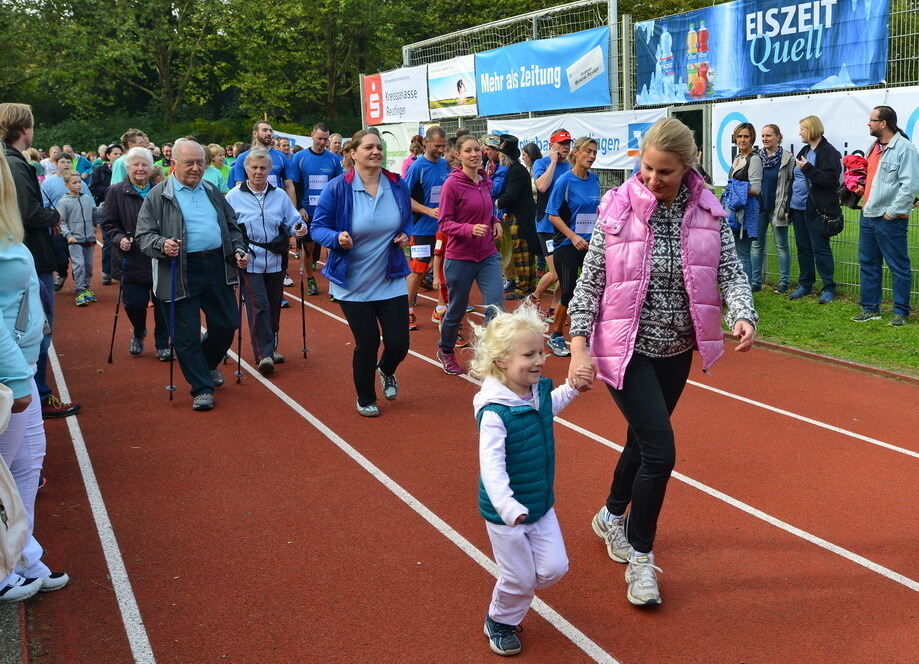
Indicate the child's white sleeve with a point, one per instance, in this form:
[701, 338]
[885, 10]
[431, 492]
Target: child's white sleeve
[493, 468]
[562, 395]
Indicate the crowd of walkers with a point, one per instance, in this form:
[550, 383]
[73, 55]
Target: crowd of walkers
[644, 274]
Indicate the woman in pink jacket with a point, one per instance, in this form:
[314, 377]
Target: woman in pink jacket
[467, 217]
[660, 259]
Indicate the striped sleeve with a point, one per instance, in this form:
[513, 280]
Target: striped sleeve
[585, 303]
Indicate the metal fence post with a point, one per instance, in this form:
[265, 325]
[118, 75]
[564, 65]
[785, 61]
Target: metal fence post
[628, 94]
[612, 20]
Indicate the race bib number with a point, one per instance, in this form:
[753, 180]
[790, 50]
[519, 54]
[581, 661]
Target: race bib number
[584, 223]
[318, 183]
[421, 251]
[435, 194]
[550, 246]
[438, 244]
[313, 201]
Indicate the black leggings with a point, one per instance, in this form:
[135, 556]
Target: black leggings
[568, 261]
[650, 391]
[367, 319]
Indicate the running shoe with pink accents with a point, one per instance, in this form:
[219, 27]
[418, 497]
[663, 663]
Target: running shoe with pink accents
[449, 363]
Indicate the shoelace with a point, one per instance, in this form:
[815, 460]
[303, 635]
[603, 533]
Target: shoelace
[646, 576]
[507, 630]
[54, 402]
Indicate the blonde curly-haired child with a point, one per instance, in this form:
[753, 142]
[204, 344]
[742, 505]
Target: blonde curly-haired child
[514, 411]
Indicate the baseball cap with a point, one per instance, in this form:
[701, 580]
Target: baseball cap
[561, 136]
[491, 141]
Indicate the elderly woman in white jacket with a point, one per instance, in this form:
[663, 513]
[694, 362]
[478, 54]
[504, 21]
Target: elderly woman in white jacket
[266, 217]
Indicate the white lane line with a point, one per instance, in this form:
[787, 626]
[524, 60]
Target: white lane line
[576, 636]
[127, 603]
[779, 411]
[714, 493]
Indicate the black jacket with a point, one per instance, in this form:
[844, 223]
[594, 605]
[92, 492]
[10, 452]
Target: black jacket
[119, 218]
[99, 182]
[37, 220]
[518, 200]
[823, 179]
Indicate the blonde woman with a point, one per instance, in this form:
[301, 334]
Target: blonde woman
[22, 445]
[639, 321]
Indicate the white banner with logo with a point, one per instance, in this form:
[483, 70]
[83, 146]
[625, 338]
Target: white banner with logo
[400, 95]
[618, 133]
[397, 139]
[451, 87]
[295, 139]
[844, 116]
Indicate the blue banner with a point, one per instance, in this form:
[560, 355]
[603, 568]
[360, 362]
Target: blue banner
[754, 47]
[545, 74]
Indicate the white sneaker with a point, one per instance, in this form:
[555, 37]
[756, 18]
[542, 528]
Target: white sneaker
[54, 581]
[642, 580]
[19, 588]
[613, 532]
[288, 281]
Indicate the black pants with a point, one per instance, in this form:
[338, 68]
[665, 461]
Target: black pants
[208, 292]
[650, 391]
[367, 319]
[263, 308]
[568, 261]
[135, 298]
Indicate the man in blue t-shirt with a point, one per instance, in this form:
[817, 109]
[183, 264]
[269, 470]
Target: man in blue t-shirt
[425, 179]
[263, 136]
[546, 172]
[309, 172]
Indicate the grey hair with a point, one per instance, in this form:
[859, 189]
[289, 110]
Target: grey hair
[258, 153]
[180, 144]
[139, 154]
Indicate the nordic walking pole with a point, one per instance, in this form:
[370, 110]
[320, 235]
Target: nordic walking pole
[124, 263]
[172, 325]
[239, 333]
[304, 350]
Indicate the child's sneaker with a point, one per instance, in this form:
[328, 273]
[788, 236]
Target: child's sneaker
[642, 580]
[559, 346]
[90, 295]
[502, 638]
[613, 532]
[81, 300]
[311, 287]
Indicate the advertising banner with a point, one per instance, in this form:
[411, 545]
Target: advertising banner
[295, 139]
[618, 133]
[753, 47]
[844, 116]
[451, 88]
[545, 74]
[396, 96]
[397, 139]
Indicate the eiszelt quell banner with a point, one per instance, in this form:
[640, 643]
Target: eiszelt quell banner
[755, 47]
[545, 74]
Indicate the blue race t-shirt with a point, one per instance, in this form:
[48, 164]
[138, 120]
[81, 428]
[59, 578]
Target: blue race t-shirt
[425, 180]
[582, 198]
[540, 166]
[279, 170]
[314, 172]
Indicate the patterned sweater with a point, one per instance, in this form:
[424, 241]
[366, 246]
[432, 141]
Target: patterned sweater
[665, 326]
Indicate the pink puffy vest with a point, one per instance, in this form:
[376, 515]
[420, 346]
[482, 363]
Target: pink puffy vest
[623, 215]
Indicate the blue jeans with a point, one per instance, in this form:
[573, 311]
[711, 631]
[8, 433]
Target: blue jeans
[460, 275]
[813, 249]
[880, 240]
[41, 366]
[758, 251]
[743, 245]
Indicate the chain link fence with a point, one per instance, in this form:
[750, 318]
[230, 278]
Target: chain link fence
[902, 70]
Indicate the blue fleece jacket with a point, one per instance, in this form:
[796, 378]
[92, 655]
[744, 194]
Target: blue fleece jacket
[19, 349]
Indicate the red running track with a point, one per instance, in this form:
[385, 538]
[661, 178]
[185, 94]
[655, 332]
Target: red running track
[249, 535]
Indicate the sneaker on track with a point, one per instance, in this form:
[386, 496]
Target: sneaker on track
[90, 295]
[412, 321]
[203, 401]
[502, 639]
[559, 346]
[311, 287]
[52, 407]
[389, 385]
[136, 345]
[368, 411]
[613, 533]
[640, 575]
[437, 316]
[53, 582]
[461, 341]
[449, 363]
[81, 300]
[19, 588]
[288, 281]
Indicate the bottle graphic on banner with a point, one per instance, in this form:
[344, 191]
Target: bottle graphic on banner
[666, 61]
[691, 61]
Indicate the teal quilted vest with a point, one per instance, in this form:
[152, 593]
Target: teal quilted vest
[529, 454]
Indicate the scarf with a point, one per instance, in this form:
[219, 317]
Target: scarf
[771, 162]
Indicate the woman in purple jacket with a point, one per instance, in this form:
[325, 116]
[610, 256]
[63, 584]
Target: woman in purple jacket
[648, 295]
[467, 217]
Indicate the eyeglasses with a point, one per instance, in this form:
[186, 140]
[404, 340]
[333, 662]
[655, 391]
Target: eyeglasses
[874, 120]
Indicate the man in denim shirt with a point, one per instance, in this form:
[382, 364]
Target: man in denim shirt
[890, 189]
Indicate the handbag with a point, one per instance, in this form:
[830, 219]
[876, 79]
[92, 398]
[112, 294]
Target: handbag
[14, 524]
[830, 225]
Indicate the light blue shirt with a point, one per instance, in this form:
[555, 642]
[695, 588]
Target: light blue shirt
[202, 232]
[375, 222]
[53, 189]
[799, 185]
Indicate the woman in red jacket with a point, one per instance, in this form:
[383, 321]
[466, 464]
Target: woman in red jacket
[467, 217]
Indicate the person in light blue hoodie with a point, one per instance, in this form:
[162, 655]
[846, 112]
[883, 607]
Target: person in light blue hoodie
[891, 188]
[22, 445]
